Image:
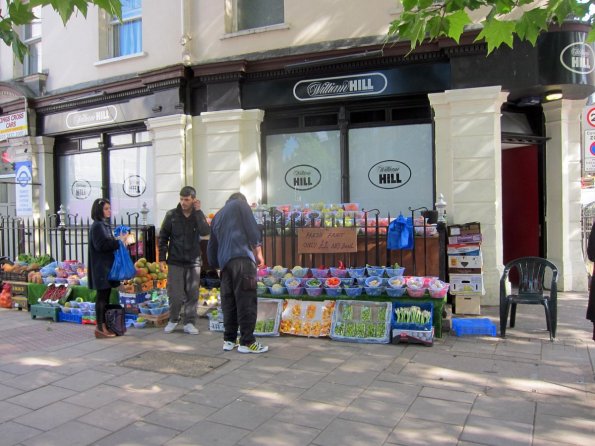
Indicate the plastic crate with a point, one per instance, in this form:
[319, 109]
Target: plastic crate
[473, 326]
[364, 322]
[413, 336]
[69, 317]
[268, 317]
[127, 299]
[424, 306]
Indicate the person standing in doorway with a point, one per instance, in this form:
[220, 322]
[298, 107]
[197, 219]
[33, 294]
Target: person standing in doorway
[591, 257]
[102, 246]
[179, 248]
[235, 248]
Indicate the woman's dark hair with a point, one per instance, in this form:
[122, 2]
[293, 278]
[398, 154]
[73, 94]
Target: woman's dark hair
[237, 196]
[97, 208]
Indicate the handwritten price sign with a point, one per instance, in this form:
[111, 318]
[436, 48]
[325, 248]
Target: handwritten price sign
[326, 240]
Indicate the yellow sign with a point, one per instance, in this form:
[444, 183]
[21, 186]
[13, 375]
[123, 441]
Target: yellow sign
[326, 240]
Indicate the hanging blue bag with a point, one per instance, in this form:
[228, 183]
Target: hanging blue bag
[123, 268]
[400, 233]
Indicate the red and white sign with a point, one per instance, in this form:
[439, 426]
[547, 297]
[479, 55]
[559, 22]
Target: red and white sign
[590, 116]
[14, 125]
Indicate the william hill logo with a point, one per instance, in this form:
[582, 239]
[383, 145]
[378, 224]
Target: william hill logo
[578, 57]
[389, 174]
[303, 177]
[341, 86]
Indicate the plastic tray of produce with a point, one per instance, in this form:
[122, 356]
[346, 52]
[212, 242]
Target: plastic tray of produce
[361, 321]
[413, 316]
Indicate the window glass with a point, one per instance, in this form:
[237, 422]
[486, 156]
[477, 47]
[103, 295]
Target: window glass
[130, 186]
[32, 39]
[258, 13]
[90, 143]
[304, 168]
[80, 182]
[391, 168]
[126, 36]
[121, 139]
[142, 137]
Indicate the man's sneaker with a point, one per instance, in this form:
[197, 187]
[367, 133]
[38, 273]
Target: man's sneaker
[255, 347]
[170, 327]
[228, 345]
[190, 329]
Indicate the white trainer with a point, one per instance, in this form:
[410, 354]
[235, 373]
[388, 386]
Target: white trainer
[229, 346]
[170, 327]
[256, 347]
[190, 329]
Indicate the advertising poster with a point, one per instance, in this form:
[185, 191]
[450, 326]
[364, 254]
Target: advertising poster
[24, 190]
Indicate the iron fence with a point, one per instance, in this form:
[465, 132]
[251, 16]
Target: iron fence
[280, 247]
[64, 236]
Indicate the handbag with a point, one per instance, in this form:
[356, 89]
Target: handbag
[122, 268]
[115, 319]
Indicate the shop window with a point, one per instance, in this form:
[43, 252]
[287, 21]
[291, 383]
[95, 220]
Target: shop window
[125, 37]
[32, 39]
[321, 120]
[121, 140]
[411, 114]
[304, 168]
[391, 168]
[282, 123]
[80, 182]
[90, 143]
[366, 116]
[250, 14]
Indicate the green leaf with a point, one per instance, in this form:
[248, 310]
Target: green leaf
[591, 36]
[409, 5]
[531, 24]
[20, 13]
[496, 32]
[456, 24]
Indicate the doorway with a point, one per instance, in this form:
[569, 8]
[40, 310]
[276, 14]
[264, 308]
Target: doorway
[522, 215]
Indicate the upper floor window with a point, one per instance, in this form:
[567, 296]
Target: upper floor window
[250, 14]
[32, 39]
[126, 37]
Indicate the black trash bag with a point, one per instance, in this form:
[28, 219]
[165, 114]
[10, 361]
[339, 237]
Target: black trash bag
[115, 319]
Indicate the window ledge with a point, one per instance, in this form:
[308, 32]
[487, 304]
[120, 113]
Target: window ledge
[119, 59]
[262, 29]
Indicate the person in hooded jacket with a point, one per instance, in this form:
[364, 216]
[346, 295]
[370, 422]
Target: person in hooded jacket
[591, 257]
[102, 247]
[179, 248]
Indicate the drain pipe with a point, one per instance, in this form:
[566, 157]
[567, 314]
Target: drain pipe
[185, 41]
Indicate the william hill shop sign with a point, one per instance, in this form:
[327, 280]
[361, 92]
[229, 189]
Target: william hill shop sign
[340, 87]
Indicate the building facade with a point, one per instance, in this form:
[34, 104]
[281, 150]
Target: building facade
[297, 102]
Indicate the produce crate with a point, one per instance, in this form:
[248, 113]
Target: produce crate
[407, 325]
[44, 311]
[69, 317]
[158, 320]
[133, 298]
[20, 302]
[307, 318]
[13, 277]
[473, 326]
[365, 322]
[268, 317]
[19, 289]
[413, 336]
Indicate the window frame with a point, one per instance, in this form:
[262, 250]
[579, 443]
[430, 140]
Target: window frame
[31, 41]
[107, 39]
[231, 20]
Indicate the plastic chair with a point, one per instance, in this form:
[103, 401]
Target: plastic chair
[531, 272]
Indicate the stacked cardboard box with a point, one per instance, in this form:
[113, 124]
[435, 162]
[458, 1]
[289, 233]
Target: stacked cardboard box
[465, 265]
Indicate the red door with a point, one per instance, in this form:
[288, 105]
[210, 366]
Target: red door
[520, 202]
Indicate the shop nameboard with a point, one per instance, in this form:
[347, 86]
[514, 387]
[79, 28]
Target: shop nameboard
[326, 240]
[340, 87]
[13, 125]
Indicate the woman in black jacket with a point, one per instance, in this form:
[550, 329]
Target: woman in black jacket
[102, 245]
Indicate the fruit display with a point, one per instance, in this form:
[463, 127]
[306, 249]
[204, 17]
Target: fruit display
[55, 293]
[6, 296]
[305, 318]
[148, 275]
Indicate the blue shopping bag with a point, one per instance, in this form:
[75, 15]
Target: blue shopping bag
[400, 233]
[123, 267]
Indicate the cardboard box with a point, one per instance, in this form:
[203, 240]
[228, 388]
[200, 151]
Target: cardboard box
[465, 264]
[19, 289]
[470, 238]
[464, 249]
[467, 304]
[464, 229]
[466, 284]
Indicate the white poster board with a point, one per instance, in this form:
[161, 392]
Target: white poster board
[24, 190]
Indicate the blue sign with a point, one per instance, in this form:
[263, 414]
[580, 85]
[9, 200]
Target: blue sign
[24, 190]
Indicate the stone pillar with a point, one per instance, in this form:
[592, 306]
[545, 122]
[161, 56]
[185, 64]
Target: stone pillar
[40, 151]
[563, 192]
[173, 161]
[228, 159]
[469, 169]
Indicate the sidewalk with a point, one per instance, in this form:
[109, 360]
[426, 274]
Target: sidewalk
[60, 386]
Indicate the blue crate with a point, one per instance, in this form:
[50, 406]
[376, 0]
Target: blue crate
[69, 317]
[429, 306]
[129, 299]
[473, 326]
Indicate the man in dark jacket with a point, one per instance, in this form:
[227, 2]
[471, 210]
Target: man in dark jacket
[179, 247]
[235, 247]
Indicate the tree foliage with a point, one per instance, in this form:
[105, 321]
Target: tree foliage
[18, 13]
[500, 20]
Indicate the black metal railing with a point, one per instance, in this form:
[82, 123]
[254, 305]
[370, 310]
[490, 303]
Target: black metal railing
[280, 247]
[64, 236]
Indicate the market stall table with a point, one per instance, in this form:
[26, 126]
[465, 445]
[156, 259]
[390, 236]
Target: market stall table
[36, 290]
[437, 313]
